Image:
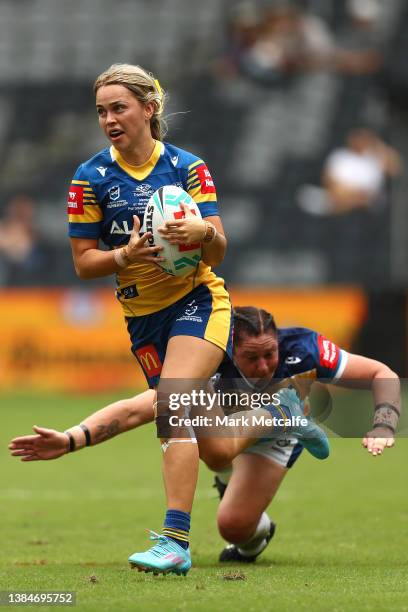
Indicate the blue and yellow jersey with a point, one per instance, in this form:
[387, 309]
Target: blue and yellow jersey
[104, 195]
[304, 357]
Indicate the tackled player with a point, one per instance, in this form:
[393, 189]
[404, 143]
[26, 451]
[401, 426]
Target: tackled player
[263, 353]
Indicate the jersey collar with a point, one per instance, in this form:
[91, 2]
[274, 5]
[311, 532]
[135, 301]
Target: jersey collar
[138, 172]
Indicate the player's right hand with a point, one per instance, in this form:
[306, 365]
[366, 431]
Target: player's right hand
[138, 249]
[44, 445]
[377, 440]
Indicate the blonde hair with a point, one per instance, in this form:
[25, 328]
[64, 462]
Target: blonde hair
[144, 86]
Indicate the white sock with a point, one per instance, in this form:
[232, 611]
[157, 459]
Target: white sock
[257, 542]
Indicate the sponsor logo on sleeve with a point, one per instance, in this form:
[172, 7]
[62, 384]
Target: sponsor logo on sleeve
[75, 200]
[329, 353]
[206, 182]
[149, 360]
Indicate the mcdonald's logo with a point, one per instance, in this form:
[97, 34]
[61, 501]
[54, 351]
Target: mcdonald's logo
[149, 360]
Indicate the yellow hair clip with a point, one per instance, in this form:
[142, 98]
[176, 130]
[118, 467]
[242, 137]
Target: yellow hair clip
[159, 89]
[160, 92]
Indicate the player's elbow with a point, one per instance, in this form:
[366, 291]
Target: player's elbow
[81, 272]
[213, 262]
[385, 372]
[394, 381]
[215, 257]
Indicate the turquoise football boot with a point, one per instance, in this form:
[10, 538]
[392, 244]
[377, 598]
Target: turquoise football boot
[311, 436]
[165, 557]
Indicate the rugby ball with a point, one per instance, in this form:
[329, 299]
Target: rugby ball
[164, 205]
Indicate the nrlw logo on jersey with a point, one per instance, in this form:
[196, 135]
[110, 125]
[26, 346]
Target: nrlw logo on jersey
[114, 192]
[114, 195]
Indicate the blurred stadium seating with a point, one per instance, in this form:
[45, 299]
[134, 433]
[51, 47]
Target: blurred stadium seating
[262, 140]
[275, 137]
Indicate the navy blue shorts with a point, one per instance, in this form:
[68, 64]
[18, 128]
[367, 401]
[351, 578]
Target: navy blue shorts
[205, 312]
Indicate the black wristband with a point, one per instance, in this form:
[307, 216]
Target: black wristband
[389, 406]
[72, 445]
[87, 434]
[384, 426]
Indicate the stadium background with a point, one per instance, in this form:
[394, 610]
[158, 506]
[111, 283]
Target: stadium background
[262, 136]
[64, 351]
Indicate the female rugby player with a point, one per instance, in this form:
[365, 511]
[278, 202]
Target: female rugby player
[261, 351]
[107, 200]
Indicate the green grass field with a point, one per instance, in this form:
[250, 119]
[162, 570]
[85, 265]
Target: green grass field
[70, 524]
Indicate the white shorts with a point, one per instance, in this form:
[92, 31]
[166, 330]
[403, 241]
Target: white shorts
[283, 451]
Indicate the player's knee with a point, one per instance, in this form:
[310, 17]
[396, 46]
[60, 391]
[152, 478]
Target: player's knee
[216, 462]
[235, 526]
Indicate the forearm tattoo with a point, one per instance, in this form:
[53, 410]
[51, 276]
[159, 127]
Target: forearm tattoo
[386, 415]
[104, 432]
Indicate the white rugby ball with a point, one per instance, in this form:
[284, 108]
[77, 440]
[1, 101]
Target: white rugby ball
[164, 205]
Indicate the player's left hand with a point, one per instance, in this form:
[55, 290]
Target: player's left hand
[188, 230]
[377, 440]
[44, 445]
